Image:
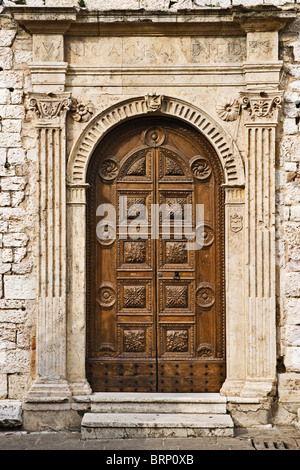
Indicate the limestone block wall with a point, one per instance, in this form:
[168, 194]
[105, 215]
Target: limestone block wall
[288, 219]
[19, 217]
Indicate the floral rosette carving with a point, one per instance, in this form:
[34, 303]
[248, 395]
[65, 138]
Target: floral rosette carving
[106, 295]
[205, 295]
[205, 233]
[109, 169]
[106, 233]
[82, 112]
[201, 168]
[229, 110]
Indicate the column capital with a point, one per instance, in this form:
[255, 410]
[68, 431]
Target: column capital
[49, 107]
[261, 107]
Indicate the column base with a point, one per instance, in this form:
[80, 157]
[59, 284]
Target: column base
[44, 390]
[80, 387]
[257, 388]
[232, 388]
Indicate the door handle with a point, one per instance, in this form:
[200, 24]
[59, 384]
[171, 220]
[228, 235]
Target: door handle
[159, 274]
[176, 276]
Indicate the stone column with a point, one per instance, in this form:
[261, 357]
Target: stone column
[51, 384]
[261, 118]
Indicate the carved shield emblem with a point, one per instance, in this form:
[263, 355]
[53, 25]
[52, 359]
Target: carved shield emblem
[153, 101]
[236, 222]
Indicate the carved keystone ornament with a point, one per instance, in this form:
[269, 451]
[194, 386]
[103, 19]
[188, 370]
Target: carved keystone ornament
[153, 101]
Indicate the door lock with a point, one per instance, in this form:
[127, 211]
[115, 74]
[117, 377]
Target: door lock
[176, 276]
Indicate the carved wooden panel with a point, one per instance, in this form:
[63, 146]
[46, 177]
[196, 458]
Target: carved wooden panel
[155, 310]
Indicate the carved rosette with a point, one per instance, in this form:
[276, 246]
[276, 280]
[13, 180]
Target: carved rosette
[205, 295]
[106, 234]
[134, 297]
[201, 168]
[229, 110]
[205, 233]
[81, 112]
[106, 295]
[134, 252]
[176, 252]
[49, 105]
[154, 137]
[177, 297]
[109, 169]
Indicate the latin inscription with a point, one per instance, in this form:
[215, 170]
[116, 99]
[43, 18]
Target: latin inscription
[145, 51]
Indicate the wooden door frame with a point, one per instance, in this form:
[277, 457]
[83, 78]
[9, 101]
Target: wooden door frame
[239, 346]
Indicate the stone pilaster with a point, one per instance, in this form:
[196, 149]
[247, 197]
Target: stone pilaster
[235, 282]
[76, 293]
[261, 118]
[50, 111]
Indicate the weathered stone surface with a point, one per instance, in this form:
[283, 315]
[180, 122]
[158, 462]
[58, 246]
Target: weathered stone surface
[119, 425]
[10, 413]
[203, 70]
[19, 287]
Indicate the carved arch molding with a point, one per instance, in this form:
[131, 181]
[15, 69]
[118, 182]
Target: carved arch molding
[222, 142]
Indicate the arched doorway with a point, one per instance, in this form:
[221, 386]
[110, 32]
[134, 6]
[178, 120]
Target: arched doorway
[155, 310]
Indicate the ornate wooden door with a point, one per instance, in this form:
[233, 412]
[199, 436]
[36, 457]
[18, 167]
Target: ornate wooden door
[155, 310]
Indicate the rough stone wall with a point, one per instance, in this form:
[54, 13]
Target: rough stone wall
[288, 213]
[17, 216]
[18, 179]
[151, 4]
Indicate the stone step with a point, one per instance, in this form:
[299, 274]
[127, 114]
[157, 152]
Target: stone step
[154, 425]
[212, 403]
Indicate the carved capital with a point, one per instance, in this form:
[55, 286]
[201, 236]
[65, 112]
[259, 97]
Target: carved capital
[261, 106]
[49, 106]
